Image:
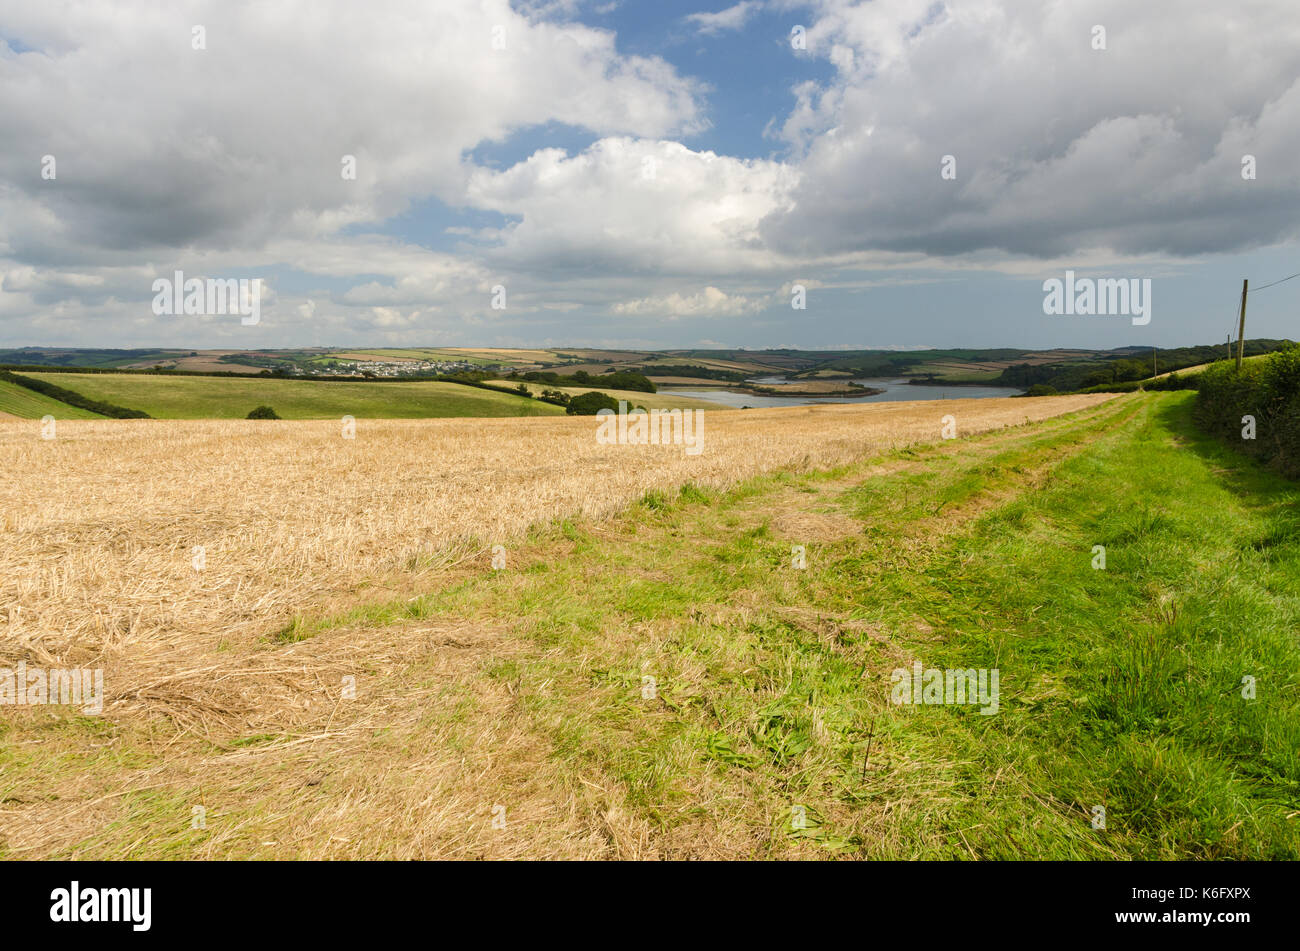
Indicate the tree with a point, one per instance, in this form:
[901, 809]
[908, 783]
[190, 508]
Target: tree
[588, 404]
[1130, 370]
[263, 412]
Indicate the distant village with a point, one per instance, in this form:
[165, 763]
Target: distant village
[393, 368]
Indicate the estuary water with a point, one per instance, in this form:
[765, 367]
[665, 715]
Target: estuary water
[896, 391]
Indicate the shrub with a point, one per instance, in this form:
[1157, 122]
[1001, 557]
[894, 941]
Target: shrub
[263, 412]
[1267, 389]
[1041, 389]
[589, 404]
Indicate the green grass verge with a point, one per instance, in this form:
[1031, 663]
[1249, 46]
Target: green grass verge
[177, 397]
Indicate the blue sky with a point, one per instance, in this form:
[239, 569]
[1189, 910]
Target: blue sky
[647, 175]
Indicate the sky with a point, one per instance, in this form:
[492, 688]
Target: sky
[636, 174]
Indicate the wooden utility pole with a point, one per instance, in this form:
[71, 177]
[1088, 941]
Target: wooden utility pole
[1241, 328]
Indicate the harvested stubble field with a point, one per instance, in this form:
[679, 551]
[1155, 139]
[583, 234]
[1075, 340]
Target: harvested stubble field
[208, 678]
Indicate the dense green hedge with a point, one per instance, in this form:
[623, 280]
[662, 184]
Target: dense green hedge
[1267, 389]
[71, 398]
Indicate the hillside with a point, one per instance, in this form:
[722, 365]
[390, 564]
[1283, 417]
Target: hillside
[203, 397]
[27, 404]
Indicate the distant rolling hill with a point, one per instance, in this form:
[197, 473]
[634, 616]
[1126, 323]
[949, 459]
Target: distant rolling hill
[212, 397]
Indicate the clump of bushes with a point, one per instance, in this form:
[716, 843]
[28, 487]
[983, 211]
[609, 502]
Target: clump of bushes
[1041, 389]
[589, 404]
[1267, 389]
[262, 412]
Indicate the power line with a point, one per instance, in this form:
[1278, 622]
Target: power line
[1284, 280]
